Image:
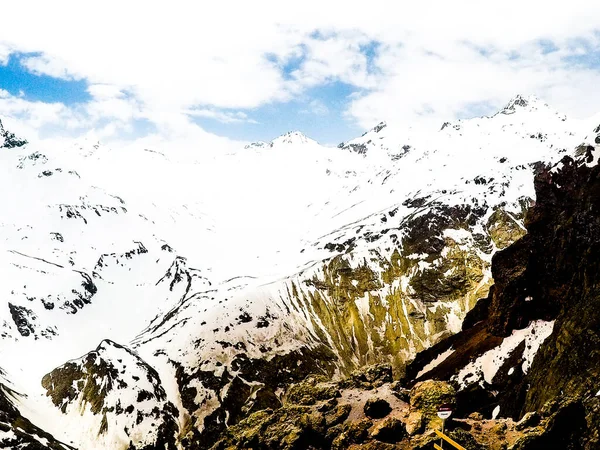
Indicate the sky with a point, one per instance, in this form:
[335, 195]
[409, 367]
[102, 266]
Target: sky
[234, 71]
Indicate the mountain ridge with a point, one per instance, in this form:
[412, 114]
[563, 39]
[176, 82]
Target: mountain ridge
[334, 259]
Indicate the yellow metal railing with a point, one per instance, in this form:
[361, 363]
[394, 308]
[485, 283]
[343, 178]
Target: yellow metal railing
[448, 440]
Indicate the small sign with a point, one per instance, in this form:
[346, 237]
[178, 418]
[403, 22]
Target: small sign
[444, 411]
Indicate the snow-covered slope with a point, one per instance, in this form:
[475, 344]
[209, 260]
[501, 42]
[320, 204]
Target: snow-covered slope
[225, 276]
[113, 383]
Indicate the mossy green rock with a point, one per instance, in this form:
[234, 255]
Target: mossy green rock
[390, 430]
[465, 439]
[338, 415]
[312, 390]
[427, 396]
[394, 301]
[504, 228]
[288, 428]
[354, 433]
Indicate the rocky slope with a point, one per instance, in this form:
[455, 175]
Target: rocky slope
[547, 277]
[115, 383]
[369, 410]
[523, 372]
[217, 301]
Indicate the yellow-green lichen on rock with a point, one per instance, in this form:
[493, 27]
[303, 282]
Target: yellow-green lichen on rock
[392, 308]
[505, 228]
[427, 396]
[386, 302]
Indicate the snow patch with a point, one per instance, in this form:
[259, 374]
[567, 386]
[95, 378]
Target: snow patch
[495, 412]
[436, 362]
[486, 366]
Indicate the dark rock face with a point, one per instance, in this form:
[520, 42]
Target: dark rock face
[551, 274]
[22, 317]
[9, 140]
[337, 421]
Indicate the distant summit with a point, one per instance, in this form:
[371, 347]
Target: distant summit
[515, 102]
[9, 140]
[520, 102]
[291, 137]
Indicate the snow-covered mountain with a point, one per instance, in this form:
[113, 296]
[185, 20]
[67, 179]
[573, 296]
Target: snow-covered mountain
[199, 287]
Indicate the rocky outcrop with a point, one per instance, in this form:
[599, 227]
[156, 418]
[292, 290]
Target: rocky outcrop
[405, 297]
[319, 414]
[338, 417]
[427, 396]
[9, 140]
[216, 401]
[538, 329]
[116, 385]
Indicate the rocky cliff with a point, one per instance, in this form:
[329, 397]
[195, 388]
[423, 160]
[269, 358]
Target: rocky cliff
[545, 298]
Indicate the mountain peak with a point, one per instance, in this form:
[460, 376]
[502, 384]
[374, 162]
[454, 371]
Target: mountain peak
[292, 137]
[520, 102]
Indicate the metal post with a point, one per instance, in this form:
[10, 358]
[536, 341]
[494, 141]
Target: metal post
[443, 427]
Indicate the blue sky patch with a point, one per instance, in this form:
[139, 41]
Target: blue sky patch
[371, 51]
[319, 114]
[590, 59]
[477, 109]
[547, 46]
[16, 79]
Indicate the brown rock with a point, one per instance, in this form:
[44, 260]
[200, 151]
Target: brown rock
[414, 423]
[499, 428]
[337, 416]
[389, 429]
[531, 419]
[476, 416]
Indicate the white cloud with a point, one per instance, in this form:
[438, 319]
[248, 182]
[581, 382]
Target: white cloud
[105, 91]
[27, 118]
[221, 116]
[147, 60]
[44, 65]
[425, 83]
[335, 57]
[316, 107]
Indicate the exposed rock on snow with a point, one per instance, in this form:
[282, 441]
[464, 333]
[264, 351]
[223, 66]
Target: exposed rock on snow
[113, 388]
